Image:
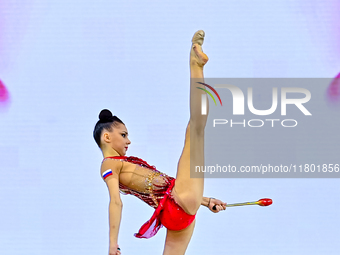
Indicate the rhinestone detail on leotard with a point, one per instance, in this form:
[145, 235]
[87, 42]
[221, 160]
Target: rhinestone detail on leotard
[156, 182]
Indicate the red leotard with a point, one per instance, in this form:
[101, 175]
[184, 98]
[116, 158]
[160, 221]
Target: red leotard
[158, 195]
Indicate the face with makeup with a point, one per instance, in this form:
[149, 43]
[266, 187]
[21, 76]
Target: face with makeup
[116, 141]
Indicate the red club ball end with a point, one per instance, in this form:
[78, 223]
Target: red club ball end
[265, 202]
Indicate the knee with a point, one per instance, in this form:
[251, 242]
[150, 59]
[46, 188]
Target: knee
[195, 128]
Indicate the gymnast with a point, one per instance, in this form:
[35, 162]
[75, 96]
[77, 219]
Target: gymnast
[176, 201]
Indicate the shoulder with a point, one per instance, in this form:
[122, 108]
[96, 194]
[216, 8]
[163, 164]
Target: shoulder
[111, 167]
[109, 171]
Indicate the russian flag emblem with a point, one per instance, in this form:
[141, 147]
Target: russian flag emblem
[107, 173]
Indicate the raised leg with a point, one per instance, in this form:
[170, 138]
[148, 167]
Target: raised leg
[188, 192]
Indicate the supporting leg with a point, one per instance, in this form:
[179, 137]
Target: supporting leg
[177, 242]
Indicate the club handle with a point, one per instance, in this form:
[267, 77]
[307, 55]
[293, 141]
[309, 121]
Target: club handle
[261, 202]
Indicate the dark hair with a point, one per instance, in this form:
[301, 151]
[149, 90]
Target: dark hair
[106, 121]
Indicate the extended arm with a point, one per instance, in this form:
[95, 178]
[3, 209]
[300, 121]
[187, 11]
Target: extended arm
[115, 206]
[115, 212]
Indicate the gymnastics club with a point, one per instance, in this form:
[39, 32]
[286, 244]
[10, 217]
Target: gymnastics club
[261, 202]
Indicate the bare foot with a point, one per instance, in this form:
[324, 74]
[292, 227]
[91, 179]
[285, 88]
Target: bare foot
[197, 57]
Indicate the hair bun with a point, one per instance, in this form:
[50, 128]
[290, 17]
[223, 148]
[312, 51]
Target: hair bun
[105, 115]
